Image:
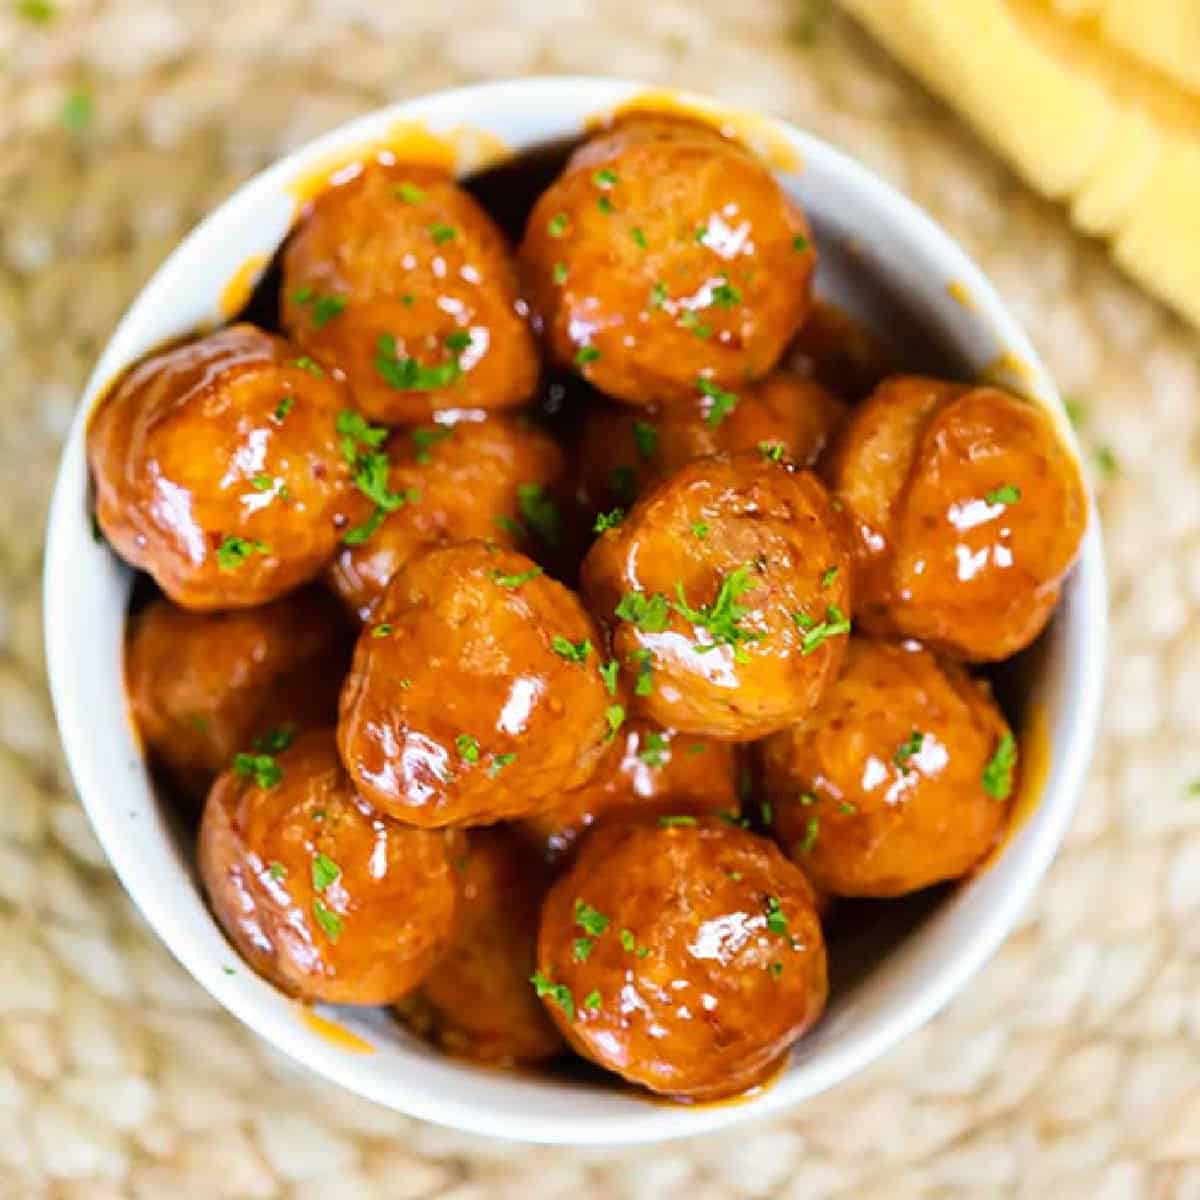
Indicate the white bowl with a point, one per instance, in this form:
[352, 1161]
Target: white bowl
[880, 255]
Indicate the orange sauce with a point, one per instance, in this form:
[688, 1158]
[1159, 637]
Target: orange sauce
[332, 1032]
[773, 1076]
[236, 292]
[753, 130]
[959, 293]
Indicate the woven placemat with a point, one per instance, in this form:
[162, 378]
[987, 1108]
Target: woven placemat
[1070, 1066]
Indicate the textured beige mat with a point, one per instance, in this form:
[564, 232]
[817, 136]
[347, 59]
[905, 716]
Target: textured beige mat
[1070, 1068]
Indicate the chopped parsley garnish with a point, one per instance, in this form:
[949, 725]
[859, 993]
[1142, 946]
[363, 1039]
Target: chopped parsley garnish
[701, 233]
[799, 243]
[310, 365]
[700, 529]
[677, 821]
[644, 683]
[515, 581]
[409, 193]
[604, 178]
[557, 225]
[658, 295]
[725, 295]
[846, 808]
[772, 451]
[807, 799]
[575, 652]
[829, 575]
[608, 672]
[405, 683]
[540, 512]
[408, 375]
[655, 749]
[324, 308]
[608, 520]
[327, 919]
[592, 999]
[732, 819]
[811, 829]
[912, 745]
[283, 407]
[442, 233]
[361, 442]
[723, 402]
[776, 921]
[468, 747]
[262, 483]
[424, 438]
[776, 969]
[581, 948]
[509, 525]
[767, 810]
[627, 939]
[816, 633]
[324, 872]
[638, 236]
[276, 739]
[381, 630]
[276, 870]
[690, 321]
[234, 551]
[651, 614]
[998, 774]
[646, 437]
[499, 762]
[589, 919]
[604, 204]
[558, 992]
[614, 715]
[1006, 494]
[560, 273]
[622, 482]
[262, 768]
[585, 355]
[721, 617]
[1106, 460]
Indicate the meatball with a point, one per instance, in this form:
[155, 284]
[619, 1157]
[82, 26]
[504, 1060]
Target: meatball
[840, 352]
[622, 451]
[666, 260]
[322, 896]
[727, 584]
[899, 778]
[493, 479]
[476, 695]
[217, 468]
[682, 954]
[969, 512]
[398, 277]
[203, 686]
[481, 1005]
[645, 766]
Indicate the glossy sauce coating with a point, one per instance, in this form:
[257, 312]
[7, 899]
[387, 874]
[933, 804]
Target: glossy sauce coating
[884, 787]
[323, 897]
[399, 278]
[969, 512]
[840, 352]
[623, 451]
[458, 709]
[217, 468]
[665, 253]
[758, 554]
[202, 686]
[689, 957]
[479, 995]
[472, 479]
[645, 766]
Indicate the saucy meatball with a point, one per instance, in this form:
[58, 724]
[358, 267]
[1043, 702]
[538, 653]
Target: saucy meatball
[493, 479]
[623, 451]
[897, 780]
[203, 686]
[727, 584]
[666, 260]
[645, 766]
[840, 352]
[682, 954]
[475, 695]
[969, 512]
[480, 1001]
[322, 896]
[399, 278]
[217, 468]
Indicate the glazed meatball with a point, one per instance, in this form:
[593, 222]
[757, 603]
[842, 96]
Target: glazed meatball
[646, 766]
[475, 695]
[969, 513]
[398, 277]
[682, 954]
[665, 259]
[322, 896]
[479, 997]
[840, 352]
[623, 451]
[727, 584]
[217, 468]
[494, 479]
[203, 686]
[898, 779]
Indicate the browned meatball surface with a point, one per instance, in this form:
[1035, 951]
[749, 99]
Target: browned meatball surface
[840, 352]
[479, 995]
[645, 766]
[322, 896]
[666, 259]
[969, 513]
[399, 278]
[475, 694]
[217, 468]
[621, 451]
[727, 584]
[203, 686]
[898, 779]
[496, 479]
[682, 954]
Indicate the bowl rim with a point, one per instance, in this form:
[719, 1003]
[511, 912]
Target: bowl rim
[580, 97]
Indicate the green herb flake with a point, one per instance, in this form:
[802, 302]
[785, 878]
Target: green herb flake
[722, 617]
[846, 808]
[658, 295]
[725, 295]
[776, 969]
[614, 715]
[78, 110]
[608, 520]
[559, 993]
[776, 921]
[305, 363]
[998, 773]
[608, 672]
[262, 768]
[590, 919]
[909, 747]
[677, 821]
[690, 320]
[234, 551]
[541, 513]
[1076, 411]
[499, 762]
[327, 919]
[816, 633]
[604, 178]
[592, 999]
[407, 374]
[283, 408]
[560, 273]
[655, 749]
[557, 225]
[643, 685]
[638, 236]
[772, 451]
[651, 614]
[646, 437]
[604, 204]
[324, 872]
[581, 948]
[381, 630]
[800, 243]
[700, 529]
[829, 575]
[1006, 494]
[276, 739]
[442, 233]
[276, 870]
[509, 524]
[468, 747]
[628, 941]
[723, 402]
[262, 483]
[585, 355]
[515, 581]
[409, 193]
[1106, 461]
[811, 829]
[423, 439]
[767, 811]
[574, 652]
